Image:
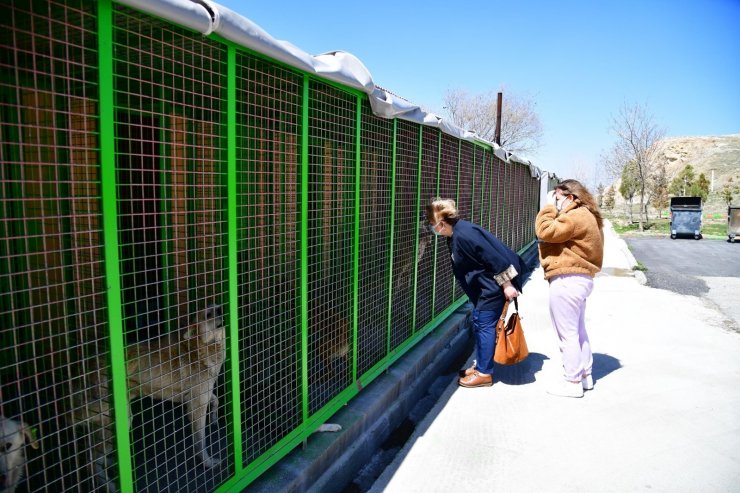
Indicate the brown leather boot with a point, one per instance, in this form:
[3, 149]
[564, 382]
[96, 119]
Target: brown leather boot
[476, 380]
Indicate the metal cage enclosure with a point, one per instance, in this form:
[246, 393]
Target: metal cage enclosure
[205, 253]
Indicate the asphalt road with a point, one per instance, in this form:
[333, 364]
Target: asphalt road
[706, 268]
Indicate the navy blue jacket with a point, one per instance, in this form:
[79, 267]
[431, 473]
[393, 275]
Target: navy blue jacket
[477, 255]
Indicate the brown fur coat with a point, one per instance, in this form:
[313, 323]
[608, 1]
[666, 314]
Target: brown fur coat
[571, 241]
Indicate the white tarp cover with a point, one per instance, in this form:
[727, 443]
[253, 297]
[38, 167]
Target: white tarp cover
[209, 17]
[186, 13]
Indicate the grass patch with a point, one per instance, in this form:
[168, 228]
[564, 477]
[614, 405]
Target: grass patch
[662, 227]
[640, 266]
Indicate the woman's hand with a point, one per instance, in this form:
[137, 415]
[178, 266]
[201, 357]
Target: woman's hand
[509, 291]
[551, 199]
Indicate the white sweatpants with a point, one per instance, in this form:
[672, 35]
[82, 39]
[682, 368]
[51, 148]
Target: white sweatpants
[568, 295]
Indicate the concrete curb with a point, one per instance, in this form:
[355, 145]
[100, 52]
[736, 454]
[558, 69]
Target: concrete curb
[330, 461]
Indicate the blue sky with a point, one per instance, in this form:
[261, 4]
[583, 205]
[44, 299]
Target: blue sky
[579, 60]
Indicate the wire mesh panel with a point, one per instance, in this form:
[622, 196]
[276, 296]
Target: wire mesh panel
[448, 171]
[269, 102]
[428, 189]
[498, 212]
[516, 207]
[407, 227]
[489, 193]
[485, 191]
[523, 205]
[509, 204]
[171, 189]
[52, 295]
[513, 205]
[533, 201]
[465, 191]
[375, 233]
[526, 205]
[478, 171]
[332, 115]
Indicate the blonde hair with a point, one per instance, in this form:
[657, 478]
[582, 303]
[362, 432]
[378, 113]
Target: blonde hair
[577, 190]
[444, 209]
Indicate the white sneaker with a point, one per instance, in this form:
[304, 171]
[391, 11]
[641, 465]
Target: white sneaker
[565, 388]
[587, 382]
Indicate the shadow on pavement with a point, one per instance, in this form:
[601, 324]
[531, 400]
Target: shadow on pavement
[520, 373]
[524, 372]
[604, 365]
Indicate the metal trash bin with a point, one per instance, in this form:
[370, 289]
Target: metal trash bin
[686, 217]
[733, 222]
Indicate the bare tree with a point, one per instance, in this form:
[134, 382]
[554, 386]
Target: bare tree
[638, 141]
[521, 130]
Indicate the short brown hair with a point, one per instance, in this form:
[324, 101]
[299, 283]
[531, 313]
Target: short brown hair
[445, 209]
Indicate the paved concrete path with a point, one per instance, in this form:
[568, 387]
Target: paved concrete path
[664, 415]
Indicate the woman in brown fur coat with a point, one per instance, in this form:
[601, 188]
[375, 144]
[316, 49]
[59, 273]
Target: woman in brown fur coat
[571, 252]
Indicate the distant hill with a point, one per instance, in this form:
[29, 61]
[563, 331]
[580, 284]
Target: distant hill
[718, 155]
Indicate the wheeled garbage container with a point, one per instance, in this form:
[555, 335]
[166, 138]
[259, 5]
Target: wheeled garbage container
[686, 217]
[733, 222]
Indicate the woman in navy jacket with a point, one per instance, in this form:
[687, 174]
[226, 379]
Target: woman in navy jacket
[488, 271]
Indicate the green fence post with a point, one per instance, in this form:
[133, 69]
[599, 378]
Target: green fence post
[304, 248]
[110, 235]
[231, 196]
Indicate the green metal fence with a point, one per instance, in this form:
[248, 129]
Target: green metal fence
[196, 239]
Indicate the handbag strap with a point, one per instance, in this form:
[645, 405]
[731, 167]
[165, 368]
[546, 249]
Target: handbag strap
[505, 309]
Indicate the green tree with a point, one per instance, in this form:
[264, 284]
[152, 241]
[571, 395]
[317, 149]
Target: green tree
[659, 189]
[629, 186]
[729, 190]
[609, 198]
[700, 188]
[681, 184]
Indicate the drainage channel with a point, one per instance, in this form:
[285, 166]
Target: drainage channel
[383, 457]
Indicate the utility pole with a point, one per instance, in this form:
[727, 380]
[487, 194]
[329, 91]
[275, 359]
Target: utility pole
[497, 135]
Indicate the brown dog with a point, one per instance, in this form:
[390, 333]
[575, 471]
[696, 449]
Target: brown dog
[332, 334]
[182, 368]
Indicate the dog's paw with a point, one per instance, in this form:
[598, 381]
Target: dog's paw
[329, 427]
[210, 462]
